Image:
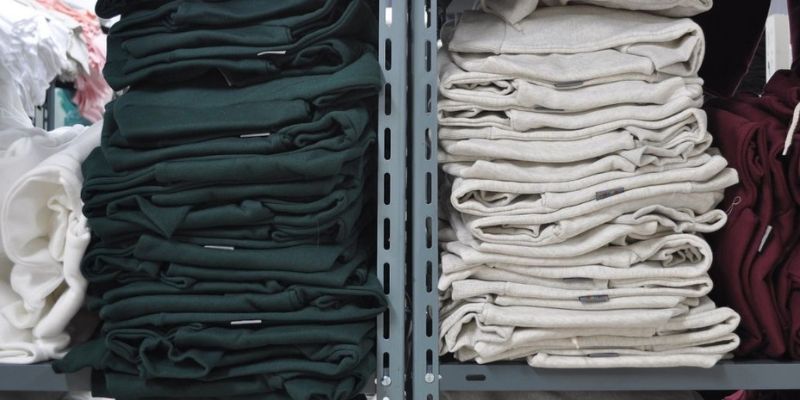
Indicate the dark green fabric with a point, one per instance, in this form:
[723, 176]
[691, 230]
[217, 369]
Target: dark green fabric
[293, 298]
[101, 194]
[363, 303]
[299, 165]
[113, 8]
[232, 203]
[254, 387]
[144, 47]
[326, 220]
[334, 130]
[109, 267]
[179, 114]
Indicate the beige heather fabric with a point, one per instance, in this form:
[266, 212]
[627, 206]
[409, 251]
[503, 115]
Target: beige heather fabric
[692, 119]
[515, 11]
[673, 46]
[674, 148]
[460, 114]
[496, 92]
[602, 210]
[564, 176]
[494, 197]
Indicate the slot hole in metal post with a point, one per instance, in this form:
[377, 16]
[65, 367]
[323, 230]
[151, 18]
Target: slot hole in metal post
[387, 98]
[428, 188]
[428, 144]
[428, 232]
[386, 279]
[387, 144]
[386, 233]
[388, 55]
[387, 189]
[475, 377]
[429, 277]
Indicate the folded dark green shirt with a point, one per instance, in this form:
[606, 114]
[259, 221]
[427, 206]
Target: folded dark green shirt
[335, 130]
[148, 47]
[179, 114]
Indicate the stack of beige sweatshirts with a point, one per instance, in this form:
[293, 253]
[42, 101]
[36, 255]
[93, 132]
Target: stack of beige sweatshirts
[579, 179]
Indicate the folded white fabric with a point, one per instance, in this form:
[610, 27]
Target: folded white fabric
[699, 332]
[564, 176]
[676, 147]
[485, 197]
[570, 396]
[674, 47]
[514, 11]
[605, 208]
[494, 92]
[693, 119]
[453, 113]
[45, 234]
[580, 176]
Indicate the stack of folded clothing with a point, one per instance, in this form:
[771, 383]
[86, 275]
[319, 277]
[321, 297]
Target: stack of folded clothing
[231, 203]
[757, 256]
[579, 180]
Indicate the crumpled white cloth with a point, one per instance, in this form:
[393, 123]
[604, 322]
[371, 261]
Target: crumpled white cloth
[514, 11]
[42, 230]
[45, 234]
[33, 49]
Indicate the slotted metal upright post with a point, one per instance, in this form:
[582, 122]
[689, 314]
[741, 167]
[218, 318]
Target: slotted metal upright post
[423, 223]
[391, 240]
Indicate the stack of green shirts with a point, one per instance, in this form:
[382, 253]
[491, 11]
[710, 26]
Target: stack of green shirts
[231, 203]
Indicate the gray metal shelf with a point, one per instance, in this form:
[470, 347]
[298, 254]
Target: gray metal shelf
[423, 190]
[727, 375]
[41, 378]
[391, 238]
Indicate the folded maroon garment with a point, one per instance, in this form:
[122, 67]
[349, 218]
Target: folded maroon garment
[756, 267]
[742, 143]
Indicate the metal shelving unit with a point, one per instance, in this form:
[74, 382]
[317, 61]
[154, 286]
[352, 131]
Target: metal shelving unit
[430, 376]
[423, 222]
[391, 238]
[391, 220]
[727, 375]
[41, 378]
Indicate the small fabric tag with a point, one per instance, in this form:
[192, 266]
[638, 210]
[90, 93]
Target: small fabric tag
[603, 355]
[600, 298]
[608, 193]
[568, 84]
[228, 248]
[764, 238]
[272, 52]
[246, 322]
[252, 135]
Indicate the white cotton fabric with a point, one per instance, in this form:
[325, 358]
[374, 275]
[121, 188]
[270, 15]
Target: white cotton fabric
[579, 178]
[663, 395]
[514, 11]
[493, 92]
[39, 233]
[486, 197]
[45, 234]
[33, 50]
[673, 46]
